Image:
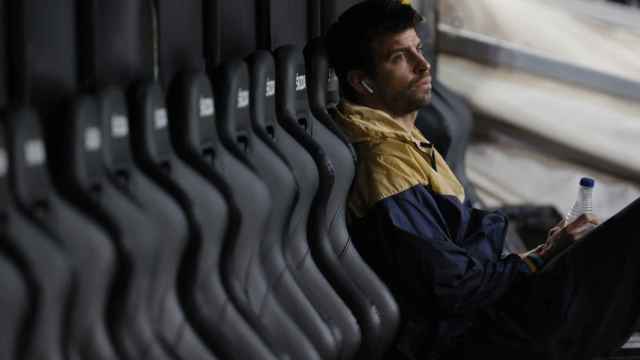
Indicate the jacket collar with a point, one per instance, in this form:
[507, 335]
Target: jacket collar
[363, 124]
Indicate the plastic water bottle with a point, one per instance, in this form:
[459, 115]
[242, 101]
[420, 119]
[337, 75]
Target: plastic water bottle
[584, 202]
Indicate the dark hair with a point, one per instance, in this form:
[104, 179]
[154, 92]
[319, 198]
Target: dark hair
[350, 40]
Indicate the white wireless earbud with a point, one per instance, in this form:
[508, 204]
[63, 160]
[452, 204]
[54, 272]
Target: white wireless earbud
[367, 86]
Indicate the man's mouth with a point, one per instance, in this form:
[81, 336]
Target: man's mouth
[424, 82]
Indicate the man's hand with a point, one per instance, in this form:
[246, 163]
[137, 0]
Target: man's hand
[563, 235]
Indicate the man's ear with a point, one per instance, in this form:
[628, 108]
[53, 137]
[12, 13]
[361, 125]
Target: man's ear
[360, 82]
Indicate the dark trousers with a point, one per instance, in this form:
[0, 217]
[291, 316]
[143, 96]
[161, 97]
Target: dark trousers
[584, 303]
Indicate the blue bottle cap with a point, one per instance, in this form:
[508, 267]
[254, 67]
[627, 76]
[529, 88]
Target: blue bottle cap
[587, 182]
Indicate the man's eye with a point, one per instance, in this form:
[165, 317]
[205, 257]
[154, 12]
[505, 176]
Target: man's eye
[397, 57]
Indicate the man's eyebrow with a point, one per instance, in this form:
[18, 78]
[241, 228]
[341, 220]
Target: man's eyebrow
[401, 49]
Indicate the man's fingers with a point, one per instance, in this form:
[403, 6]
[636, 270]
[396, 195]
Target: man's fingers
[594, 219]
[582, 220]
[553, 230]
[581, 226]
[590, 218]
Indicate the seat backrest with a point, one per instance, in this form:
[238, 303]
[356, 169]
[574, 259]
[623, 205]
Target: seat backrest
[43, 53]
[459, 118]
[433, 125]
[85, 244]
[230, 29]
[116, 42]
[14, 306]
[169, 229]
[286, 22]
[180, 38]
[207, 302]
[323, 88]
[43, 263]
[154, 154]
[91, 170]
[196, 140]
[296, 243]
[17, 297]
[236, 133]
[366, 295]
[248, 200]
[333, 90]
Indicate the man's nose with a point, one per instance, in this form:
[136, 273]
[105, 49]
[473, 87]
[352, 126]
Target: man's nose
[422, 65]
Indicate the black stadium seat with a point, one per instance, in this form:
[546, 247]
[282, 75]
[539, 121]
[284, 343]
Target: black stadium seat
[249, 201]
[236, 133]
[152, 151]
[16, 297]
[249, 280]
[168, 230]
[42, 262]
[296, 247]
[86, 245]
[120, 48]
[42, 49]
[372, 304]
[94, 166]
[205, 301]
[323, 88]
[194, 134]
[14, 305]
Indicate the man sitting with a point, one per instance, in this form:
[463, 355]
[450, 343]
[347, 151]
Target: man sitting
[460, 296]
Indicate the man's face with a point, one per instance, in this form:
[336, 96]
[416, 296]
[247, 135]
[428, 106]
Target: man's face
[402, 75]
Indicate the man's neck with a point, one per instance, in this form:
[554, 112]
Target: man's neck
[407, 121]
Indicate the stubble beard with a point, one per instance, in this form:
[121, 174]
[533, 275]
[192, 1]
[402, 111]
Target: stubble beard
[409, 100]
[413, 100]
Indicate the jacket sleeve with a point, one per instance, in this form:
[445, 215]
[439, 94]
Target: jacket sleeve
[461, 275]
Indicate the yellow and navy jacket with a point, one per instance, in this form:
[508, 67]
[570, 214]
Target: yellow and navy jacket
[442, 259]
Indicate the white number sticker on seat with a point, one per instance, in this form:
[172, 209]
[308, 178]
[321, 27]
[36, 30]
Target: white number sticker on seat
[34, 152]
[206, 107]
[243, 98]
[119, 126]
[92, 138]
[301, 82]
[160, 118]
[271, 87]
